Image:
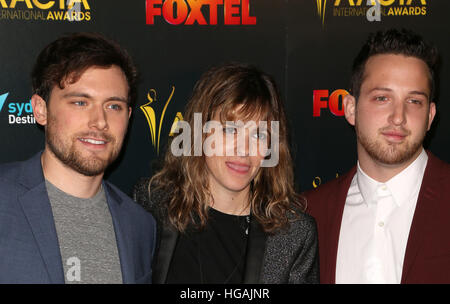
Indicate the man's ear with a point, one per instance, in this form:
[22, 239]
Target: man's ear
[349, 108]
[129, 112]
[39, 109]
[431, 114]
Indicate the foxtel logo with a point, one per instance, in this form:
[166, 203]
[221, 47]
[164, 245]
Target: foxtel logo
[189, 12]
[322, 99]
[19, 112]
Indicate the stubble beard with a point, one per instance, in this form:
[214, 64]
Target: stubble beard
[389, 153]
[66, 151]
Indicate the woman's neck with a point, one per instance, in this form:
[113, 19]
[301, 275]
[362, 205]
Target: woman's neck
[231, 202]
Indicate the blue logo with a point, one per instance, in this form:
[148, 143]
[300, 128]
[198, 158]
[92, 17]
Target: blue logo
[3, 99]
[19, 112]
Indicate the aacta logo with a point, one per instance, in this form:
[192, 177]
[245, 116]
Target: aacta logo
[334, 102]
[189, 12]
[371, 9]
[30, 4]
[57, 10]
[149, 112]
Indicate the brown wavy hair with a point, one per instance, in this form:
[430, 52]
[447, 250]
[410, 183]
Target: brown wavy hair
[272, 198]
[68, 57]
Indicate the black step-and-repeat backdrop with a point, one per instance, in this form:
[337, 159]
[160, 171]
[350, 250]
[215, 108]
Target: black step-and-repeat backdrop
[307, 45]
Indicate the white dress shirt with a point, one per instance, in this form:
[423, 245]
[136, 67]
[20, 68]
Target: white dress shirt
[375, 225]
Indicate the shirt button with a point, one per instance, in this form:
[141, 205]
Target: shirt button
[381, 224]
[384, 188]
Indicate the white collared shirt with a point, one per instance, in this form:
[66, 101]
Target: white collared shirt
[375, 225]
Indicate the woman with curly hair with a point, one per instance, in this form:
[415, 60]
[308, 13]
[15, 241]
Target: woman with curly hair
[231, 214]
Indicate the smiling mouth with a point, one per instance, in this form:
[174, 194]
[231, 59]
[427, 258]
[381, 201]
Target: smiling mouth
[94, 144]
[239, 168]
[93, 141]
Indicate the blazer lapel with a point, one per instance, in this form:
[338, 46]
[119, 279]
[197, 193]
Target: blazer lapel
[169, 237]
[335, 216]
[255, 253]
[37, 209]
[428, 196]
[126, 259]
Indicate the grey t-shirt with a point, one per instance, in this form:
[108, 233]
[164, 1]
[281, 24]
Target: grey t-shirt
[86, 236]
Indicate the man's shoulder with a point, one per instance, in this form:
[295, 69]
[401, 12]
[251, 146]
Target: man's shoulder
[10, 171]
[27, 172]
[11, 176]
[9, 183]
[438, 165]
[128, 206]
[437, 174]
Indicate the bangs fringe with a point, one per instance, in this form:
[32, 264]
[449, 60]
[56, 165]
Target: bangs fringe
[256, 110]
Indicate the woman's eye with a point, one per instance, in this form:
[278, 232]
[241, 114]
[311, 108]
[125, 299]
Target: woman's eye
[260, 135]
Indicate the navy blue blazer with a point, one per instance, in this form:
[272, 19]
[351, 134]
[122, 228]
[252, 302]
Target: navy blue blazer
[29, 248]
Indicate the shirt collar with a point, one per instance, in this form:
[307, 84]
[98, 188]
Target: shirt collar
[401, 186]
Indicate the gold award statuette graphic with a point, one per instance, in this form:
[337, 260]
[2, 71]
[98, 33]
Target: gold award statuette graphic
[321, 5]
[149, 113]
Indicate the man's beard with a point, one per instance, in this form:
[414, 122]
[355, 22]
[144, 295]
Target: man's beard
[389, 153]
[67, 153]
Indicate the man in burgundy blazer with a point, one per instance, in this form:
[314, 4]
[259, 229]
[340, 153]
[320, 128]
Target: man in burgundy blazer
[391, 108]
[427, 258]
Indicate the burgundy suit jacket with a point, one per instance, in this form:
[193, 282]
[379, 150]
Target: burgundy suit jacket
[427, 256]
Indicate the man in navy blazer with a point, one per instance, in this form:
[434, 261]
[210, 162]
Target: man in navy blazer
[60, 222]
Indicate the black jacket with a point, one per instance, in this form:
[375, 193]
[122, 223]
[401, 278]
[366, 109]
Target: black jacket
[289, 256]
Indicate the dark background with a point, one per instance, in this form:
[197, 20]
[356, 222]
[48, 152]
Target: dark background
[290, 41]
